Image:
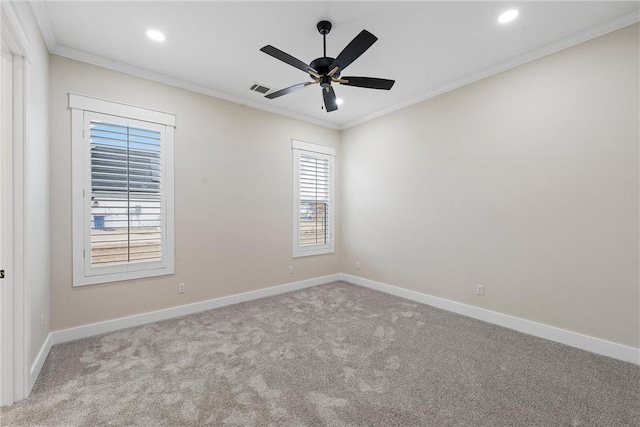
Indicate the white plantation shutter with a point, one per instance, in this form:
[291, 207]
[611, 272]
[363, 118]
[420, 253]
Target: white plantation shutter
[126, 188]
[313, 199]
[122, 167]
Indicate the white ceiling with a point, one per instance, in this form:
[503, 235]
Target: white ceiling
[427, 47]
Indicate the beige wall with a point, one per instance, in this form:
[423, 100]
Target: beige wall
[233, 198]
[526, 182]
[36, 193]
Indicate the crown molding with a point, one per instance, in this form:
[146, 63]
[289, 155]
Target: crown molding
[44, 23]
[12, 32]
[42, 17]
[180, 83]
[567, 42]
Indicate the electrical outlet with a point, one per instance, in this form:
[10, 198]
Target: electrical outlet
[480, 290]
[42, 321]
[181, 288]
[291, 269]
[358, 265]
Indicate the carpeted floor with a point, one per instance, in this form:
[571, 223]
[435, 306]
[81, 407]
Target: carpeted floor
[331, 355]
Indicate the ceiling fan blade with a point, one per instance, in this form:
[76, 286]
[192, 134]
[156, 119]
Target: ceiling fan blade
[288, 90]
[368, 82]
[354, 49]
[329, 99]
[285, 57]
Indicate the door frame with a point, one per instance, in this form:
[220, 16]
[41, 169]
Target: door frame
[15, 334]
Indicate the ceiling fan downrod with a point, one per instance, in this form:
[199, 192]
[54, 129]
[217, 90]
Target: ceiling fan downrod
[324, 27]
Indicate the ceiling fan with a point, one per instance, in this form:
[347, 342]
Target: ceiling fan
[326, 70]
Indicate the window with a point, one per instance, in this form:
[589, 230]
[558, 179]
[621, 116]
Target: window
[122, 161]
[313, 206]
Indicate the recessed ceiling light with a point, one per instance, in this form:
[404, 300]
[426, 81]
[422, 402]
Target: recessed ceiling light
[508, 16]
[155, 35]
[339, 101]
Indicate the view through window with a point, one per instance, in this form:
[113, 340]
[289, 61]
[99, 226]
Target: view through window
[314, 200]
[125, 194]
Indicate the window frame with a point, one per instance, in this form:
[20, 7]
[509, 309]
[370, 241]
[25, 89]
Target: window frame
[83, 110]
[321, 152]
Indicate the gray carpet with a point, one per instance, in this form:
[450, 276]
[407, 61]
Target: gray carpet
[331, 355]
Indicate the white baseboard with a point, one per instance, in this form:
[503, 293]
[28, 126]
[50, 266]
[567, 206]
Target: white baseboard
[573, 339]
[92, 329]
[37, 365]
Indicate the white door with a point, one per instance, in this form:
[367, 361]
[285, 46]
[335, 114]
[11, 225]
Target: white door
[6, 230]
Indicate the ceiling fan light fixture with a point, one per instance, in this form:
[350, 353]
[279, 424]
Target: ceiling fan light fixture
[508, 16]
[156, 35]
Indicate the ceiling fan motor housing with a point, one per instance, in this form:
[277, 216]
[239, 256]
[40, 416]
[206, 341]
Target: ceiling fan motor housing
[321, 65]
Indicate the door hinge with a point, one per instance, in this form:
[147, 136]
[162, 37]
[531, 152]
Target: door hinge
[1, 274]
[84, 253]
